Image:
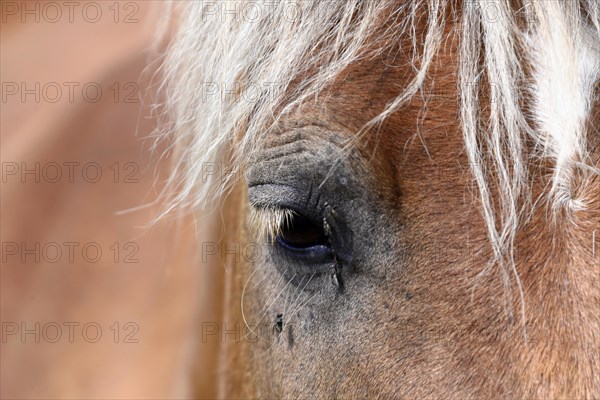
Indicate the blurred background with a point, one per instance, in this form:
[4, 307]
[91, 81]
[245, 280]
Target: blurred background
[96, 302]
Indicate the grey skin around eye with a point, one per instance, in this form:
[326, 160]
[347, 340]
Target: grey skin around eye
[302, 170]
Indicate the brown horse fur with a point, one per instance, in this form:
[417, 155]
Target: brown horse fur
[417, 309]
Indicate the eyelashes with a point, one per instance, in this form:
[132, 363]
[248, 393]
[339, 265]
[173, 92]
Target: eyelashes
[288, 228]
[267, 223]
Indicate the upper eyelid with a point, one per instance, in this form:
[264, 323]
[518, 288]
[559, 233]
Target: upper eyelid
[275, 195]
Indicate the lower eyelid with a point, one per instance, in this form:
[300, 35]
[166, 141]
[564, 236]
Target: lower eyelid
[311, 250]
[316, 259]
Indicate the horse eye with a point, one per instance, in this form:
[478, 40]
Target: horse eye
[301, 234]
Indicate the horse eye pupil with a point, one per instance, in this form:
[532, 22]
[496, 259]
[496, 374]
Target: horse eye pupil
[300, 232]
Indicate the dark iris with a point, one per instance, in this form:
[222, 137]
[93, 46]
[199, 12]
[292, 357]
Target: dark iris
[300, 232]
[302, 237]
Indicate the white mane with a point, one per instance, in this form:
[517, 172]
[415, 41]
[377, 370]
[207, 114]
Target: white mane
[254, 49]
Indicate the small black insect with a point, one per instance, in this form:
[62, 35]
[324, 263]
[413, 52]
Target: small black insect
[278, 326]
